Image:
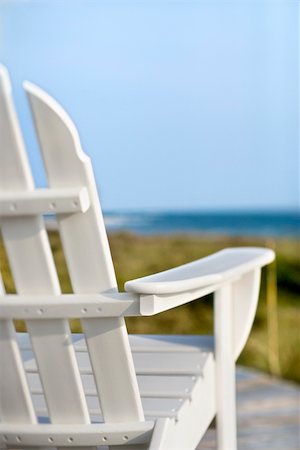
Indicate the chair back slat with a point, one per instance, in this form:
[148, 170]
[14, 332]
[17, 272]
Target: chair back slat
[88, 258]
[34, 272]
[15, 399]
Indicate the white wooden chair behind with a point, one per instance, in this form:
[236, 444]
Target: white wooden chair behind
[103, 387]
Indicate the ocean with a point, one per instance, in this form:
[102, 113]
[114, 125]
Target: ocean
[273, 224]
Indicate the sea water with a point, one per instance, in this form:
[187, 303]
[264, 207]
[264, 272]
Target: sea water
[273, 224]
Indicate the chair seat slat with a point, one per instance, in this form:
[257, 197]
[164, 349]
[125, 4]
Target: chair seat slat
[145, 343]
[158, 364]
[164, 388]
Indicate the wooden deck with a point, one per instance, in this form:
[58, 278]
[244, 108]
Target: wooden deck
[268, 414]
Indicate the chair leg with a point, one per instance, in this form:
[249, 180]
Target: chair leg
[159, 434]
[225, 370]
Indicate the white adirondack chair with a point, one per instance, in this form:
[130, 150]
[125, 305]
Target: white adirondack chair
[104, 387]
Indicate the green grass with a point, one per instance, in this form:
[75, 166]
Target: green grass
[136, 256]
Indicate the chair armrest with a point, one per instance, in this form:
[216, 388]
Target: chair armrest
[214, 269]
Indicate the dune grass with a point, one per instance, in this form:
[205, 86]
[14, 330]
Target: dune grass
[136, 256]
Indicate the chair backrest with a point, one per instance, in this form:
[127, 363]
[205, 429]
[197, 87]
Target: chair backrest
[90, 267]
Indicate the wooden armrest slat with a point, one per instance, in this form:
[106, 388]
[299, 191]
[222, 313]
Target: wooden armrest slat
[213, 269]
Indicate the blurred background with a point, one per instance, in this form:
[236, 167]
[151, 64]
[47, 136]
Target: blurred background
[190, 113]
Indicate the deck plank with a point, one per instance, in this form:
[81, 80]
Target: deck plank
[268, 414]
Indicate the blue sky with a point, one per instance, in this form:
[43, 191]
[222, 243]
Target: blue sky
[180, 104]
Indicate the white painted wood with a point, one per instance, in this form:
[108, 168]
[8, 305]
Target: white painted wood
[67, 166]
[15, 399]
[161, 363]
[164, 383]
[81, 435]
[225, 369]
[145, 343]
[43, 201]
[194, 416]
[11, 139]
[245, 293]
[34, 272]
[159, 434]
[155, 304]
[88, 258]
[115, 304]
[68, 306]
[177, 382]
[153, 408]
[170, 343]
[150, 386]
[158, 364]
[213, 269]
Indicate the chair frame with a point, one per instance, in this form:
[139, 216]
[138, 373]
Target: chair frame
[233, 276]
